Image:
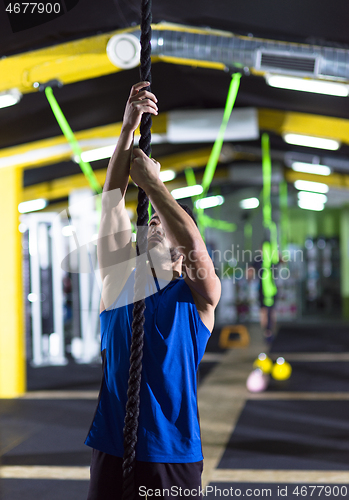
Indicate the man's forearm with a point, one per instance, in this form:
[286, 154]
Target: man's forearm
[139, 102]
[119, 165]
[176, 222]
[115, 223]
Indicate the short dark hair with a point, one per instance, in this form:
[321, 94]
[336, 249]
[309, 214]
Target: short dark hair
[189, 211]
[186, 208]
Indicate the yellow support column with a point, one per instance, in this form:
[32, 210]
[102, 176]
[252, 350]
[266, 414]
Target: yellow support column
[12, 341]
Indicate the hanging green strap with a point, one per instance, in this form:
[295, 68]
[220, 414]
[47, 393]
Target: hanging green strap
[217, 224]
[191, 181]
[270, 249]
[205, 220]
[266, 166]
[190, 177]
[283, 202]
[217, 147]
[267, 209]
[69, 135]
[268, 284]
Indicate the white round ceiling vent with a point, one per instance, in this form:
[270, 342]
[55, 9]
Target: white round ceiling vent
[124, 50]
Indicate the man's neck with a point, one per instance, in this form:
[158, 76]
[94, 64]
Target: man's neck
[166, 272]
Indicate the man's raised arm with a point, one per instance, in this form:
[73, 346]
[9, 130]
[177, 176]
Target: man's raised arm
[181, 231]
[114, 241]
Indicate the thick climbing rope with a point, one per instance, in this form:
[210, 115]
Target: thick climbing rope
[134, 382]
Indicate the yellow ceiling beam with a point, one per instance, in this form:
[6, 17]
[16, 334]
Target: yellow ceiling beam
[68, 62]
[86, 58]
[56, 149]
[190, 159]
[78, 60]
[60, 188]
[333, 180]
[282, 122]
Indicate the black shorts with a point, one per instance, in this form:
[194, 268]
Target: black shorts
[168, 478]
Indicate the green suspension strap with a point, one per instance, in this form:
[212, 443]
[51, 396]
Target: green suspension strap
[266, 166]
[283, 203]
[191, 181]
[222, 225]
[270, 249]
[69, 135]
[190, 178]
[217, 146]
[205, 220]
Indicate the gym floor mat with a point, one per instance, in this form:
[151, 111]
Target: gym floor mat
[274, 491]
[45, 432]
[205, 367]
[314, 376]
[43, 489]
[72, 376]
[312, 338]
[79, 377]
[290, 434]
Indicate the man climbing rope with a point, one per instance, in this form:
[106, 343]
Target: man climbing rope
[181, 292]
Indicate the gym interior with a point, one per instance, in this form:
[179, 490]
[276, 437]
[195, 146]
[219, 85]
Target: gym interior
[253, 134]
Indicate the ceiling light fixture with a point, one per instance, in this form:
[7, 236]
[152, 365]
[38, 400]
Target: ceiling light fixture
[32, 205]
[315, 86]
[314, 187]
[311, 141]
[317, 198]
[249, 203]
[9, 98]
[187, 192]
[97, 154]
[309, 205]
[310, 168]
[209, 202]
[167, 175]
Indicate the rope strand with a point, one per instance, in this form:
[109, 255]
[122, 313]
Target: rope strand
[134, 382]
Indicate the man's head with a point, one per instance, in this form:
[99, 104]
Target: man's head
[157, 239]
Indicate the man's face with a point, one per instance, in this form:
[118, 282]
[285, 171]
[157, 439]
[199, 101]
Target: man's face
[156, 234]
[157, 239]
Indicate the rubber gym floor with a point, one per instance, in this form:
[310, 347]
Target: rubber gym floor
[289, 441]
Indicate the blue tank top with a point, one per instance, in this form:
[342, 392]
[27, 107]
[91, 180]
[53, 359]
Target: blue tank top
[174, 342]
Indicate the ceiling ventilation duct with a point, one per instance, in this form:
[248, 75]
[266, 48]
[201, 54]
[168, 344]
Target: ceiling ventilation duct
[187, 45]
[285, 62]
